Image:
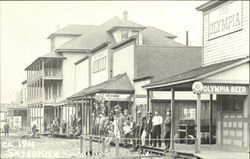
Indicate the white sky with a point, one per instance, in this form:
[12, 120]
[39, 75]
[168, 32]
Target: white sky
[25, 26]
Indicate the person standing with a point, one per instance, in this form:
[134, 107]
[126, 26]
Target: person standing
[167, 124]
[149, 128]
[6, 129]
[156, 129]
[138, 129]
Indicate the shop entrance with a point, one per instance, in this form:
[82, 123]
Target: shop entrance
[232, 121]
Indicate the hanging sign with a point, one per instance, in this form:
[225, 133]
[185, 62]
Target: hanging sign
[225, 20]
[115, 97]
[232, 89]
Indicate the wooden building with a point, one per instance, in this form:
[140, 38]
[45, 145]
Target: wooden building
[224, 74]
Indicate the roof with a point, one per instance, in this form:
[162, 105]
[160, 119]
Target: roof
[101, 33]
[51, 55]
[117, 84]
[73, 29]
[81, 59]
[198, 73]
[155, 36]
[119, 23]
[209, 5]
[169, 61]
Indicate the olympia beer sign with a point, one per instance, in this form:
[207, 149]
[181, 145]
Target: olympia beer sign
[225, 20]
[232, 89]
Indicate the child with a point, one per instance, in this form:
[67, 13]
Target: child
[127, 132]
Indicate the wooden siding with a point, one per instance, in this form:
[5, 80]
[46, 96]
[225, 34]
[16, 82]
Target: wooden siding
[69, 73]
[102, 75]
[227, 47]
[124, 62]
[239, 74]
[82, 75]
[141, 93]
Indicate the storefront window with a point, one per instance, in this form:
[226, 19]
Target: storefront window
[232, 103]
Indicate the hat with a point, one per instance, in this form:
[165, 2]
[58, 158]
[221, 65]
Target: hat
[138, 112]
[117, 107]
[149, 112]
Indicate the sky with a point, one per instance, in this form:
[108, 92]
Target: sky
[25, 26]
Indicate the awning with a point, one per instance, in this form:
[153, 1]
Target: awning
[117, 84]
[184, 81]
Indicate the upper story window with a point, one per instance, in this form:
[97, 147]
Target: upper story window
[99, 65]
[136, 33]
[124, 34]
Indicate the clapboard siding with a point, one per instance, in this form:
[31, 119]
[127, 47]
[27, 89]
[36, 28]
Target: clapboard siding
[139, 89]
[142, 98]
[230, 46]
[239, 74]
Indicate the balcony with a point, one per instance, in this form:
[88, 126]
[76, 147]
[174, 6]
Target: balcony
[53, 73]
[52, 99]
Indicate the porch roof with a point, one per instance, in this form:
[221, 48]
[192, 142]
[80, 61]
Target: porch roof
[184, 81]
[118, 84]
[51, 55]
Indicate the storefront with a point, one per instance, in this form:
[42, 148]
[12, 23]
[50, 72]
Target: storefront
[100, 99]
[226, 82]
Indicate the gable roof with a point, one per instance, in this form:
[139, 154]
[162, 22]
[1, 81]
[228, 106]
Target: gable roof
[169, 61]
[198, 73]
[101, 33]
[92, 38]
[73, 29]
[155, 36]
[117, 84]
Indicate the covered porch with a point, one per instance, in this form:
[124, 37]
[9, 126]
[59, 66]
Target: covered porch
[99, 99]
[228, 84]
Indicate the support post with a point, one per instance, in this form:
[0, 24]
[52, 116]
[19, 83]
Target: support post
[90, 116]
[116, 148]
[103, 147]
[90, 144]
[68, 118]
[210, 118]
[82, 115]
[172, 118]
[198, 133]
[148, 96]
[80, 144]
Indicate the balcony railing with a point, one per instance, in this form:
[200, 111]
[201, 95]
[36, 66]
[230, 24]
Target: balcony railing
[52, 99]
[53, 72]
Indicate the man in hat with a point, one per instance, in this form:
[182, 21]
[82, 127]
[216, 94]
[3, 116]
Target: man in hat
[156, 129]
[138, 130]
[149, 124]
[167, 124]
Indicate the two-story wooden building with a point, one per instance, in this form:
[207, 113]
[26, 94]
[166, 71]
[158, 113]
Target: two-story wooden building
[125, 57]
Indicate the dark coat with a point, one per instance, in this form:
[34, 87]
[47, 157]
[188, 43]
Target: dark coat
[149, 124]
[167, 123]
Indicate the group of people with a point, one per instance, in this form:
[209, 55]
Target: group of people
[144, 130]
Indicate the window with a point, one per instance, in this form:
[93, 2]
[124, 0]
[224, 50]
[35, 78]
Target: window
[232, 103]
[124, 34]
[99, 65]
[136, 33]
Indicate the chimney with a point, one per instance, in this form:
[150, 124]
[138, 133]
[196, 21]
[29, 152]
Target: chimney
[125, 15]
[186, 38]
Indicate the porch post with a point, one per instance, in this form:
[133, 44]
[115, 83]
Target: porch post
[90, 116]
[172, 118]
[68, 117]
[210, 118]
[86, 114]
[148, 96]
[198, 121]
[82, 114]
